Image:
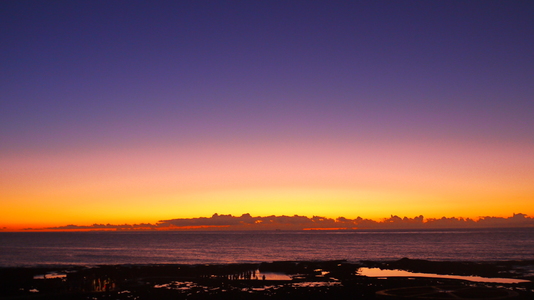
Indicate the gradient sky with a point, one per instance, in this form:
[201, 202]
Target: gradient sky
[139, 111]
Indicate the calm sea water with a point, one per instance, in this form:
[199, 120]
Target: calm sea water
[93, 248]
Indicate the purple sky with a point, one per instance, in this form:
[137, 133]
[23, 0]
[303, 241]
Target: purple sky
[86, 72]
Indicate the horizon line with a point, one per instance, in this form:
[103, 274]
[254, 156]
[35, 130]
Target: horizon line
[246, 222]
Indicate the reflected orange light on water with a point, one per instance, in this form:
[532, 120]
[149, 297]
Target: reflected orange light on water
[376, 272]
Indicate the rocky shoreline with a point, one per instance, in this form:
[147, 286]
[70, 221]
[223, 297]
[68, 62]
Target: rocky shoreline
[273, 280]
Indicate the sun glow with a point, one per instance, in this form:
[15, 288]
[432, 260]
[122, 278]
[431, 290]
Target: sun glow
[144, 185]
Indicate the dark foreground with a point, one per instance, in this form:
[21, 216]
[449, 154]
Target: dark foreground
[284, 280]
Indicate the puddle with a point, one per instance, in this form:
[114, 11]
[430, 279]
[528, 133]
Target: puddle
[315, 284]
[376, 272]
[189, 286]
[50, 276]
[273, 276]
[179, 285]
[254, 275]
[320, 272]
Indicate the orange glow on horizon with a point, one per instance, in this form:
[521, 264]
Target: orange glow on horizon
[312, 229]
[309, 178]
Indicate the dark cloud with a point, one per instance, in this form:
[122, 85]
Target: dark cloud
[248, 222]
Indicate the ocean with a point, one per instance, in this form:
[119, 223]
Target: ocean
[174, 247]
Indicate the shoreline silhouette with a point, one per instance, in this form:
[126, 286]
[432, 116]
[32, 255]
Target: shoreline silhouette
[296, 279]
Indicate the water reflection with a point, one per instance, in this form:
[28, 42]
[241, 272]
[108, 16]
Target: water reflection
[377, 272]
[252, 275]
[51, 276]
[273, 276]
[191, 287]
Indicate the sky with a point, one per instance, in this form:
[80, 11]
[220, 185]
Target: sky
[128, 112]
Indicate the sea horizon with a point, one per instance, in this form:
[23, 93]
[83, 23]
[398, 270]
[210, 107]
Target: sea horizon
[217, 247]
[306, 230]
